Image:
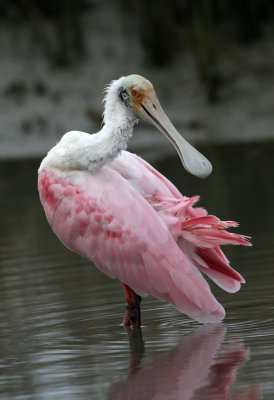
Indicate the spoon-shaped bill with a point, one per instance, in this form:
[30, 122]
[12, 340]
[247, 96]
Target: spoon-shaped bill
[194, 162]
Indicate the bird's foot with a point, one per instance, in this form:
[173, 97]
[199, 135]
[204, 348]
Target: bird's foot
[132, 317]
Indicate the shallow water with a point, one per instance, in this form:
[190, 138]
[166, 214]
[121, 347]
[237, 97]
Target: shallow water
[60, 332]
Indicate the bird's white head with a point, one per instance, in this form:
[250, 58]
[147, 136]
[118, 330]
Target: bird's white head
[135, 97]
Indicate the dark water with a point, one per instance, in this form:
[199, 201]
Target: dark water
[60, 332]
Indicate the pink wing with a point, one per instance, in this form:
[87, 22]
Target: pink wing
[198, 234]
[103, 217]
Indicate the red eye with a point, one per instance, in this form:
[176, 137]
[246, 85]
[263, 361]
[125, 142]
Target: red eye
[133, 92]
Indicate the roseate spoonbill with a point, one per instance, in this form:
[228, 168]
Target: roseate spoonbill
[115, 209]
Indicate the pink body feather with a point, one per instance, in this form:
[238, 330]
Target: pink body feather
[136, 226]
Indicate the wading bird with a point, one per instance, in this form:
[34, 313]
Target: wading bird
[115, 209]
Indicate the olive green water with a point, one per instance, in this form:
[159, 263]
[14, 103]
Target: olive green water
[60, 332]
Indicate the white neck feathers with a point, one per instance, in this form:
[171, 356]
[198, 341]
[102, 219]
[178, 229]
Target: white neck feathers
[79, 150]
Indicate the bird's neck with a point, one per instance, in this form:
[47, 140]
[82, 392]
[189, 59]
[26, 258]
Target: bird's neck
[80, 150]
[109, 142]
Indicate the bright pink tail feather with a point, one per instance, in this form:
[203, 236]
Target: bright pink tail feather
[207, 233]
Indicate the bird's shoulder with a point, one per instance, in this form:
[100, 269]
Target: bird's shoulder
[143, 176]
[105, 197]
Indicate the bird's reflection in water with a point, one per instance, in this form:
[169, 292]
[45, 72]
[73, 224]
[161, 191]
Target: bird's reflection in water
[137, 348]
[195, 369]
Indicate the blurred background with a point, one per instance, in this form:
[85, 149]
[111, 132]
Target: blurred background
[211, 61]
[212, 65]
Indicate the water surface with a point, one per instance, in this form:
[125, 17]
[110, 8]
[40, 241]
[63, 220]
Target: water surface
[60, 332]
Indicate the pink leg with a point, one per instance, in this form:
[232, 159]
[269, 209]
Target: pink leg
[132, 317]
